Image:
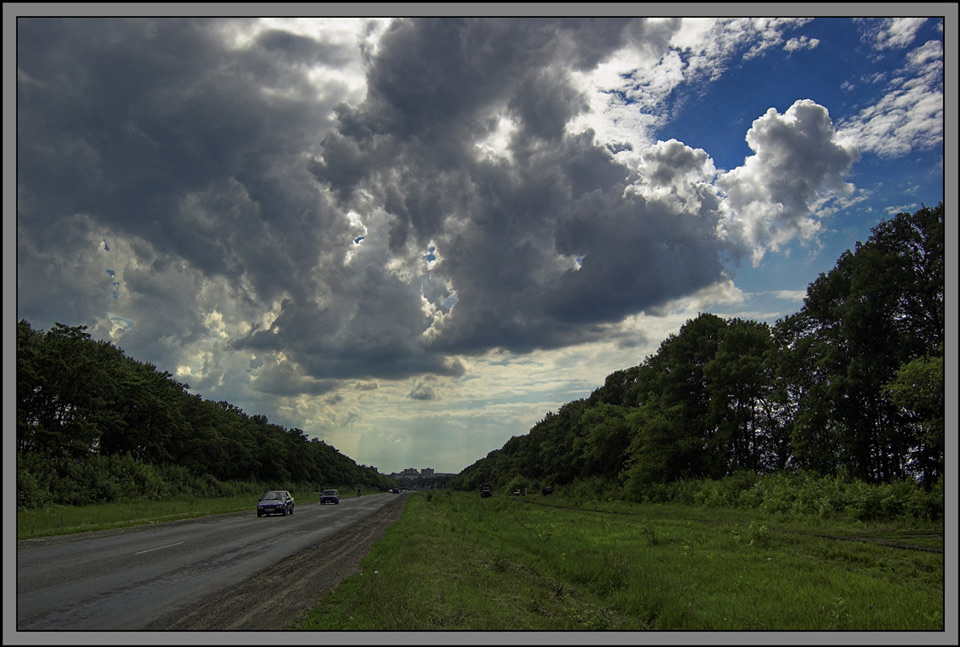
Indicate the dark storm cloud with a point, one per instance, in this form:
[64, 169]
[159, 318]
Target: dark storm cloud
[509, 230]
[148, 123]
[320, 234]
[433, 82]
[546, 103]
[192, 151]
[369, 329]
[287, 381]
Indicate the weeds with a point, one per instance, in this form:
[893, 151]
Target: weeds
[839, 614]
[758, 535]
[647, 531]
[793, 493]
[755, 535]
[499, 562]
[565, 569]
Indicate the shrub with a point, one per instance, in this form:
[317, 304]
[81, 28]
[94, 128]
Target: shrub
[656, 493]
[684, 491]
[31, 493]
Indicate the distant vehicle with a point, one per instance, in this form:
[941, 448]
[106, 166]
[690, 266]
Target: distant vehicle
[275, 502]
[329, 496]
[486, 490]
[395, 491]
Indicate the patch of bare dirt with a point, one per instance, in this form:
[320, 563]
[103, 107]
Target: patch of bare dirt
[275, 598]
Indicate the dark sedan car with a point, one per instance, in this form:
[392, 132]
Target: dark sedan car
[275, 502]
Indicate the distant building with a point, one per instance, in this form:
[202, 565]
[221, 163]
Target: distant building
[413, 475]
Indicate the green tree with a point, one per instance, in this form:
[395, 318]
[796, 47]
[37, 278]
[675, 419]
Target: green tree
[918, 389]
[880, 307]
[674, 420]
[57, 403]
[605, 441]
[740, 388]
[662, 448]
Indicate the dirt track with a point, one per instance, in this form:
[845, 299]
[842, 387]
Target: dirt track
[274, 598]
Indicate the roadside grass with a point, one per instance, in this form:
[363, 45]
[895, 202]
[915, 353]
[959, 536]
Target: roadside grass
[509, 564]
[67, 519]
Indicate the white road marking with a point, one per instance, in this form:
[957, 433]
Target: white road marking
[150, 550]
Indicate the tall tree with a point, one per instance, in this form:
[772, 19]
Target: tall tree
[918, 389]
[605, 440]
[881, 306]
[674, 421]
[740, 388]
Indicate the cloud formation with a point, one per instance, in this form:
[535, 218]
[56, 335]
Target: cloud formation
[909, 114]
[798, 162]
[369, 236]
[298, 210]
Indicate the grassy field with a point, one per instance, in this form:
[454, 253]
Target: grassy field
[66, 519]
[455, 561]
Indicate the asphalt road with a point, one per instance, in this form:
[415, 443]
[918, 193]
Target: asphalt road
[125, 579]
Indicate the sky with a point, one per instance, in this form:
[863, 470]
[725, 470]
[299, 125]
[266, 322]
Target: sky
[415, 237]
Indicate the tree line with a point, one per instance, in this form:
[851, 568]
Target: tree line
[96, 425]
[851, 385]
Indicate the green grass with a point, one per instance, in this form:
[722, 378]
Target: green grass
[507, 564]
[66, 519]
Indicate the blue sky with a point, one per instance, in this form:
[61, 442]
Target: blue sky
[413, 238]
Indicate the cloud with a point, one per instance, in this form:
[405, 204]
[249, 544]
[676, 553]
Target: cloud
[790, 295]
[711, 46]
[804, 42]
[424, 390]
[798, 163]
[667, 58]
[890, 33]
[283, 378]
[909, 115]
[291, 214]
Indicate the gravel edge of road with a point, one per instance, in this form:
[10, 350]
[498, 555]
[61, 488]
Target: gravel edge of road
[274, 598]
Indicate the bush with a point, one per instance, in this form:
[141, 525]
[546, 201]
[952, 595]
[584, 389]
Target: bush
[656, 493]
[727, 491]
[829, 496]
[593, 488]
[31, 492]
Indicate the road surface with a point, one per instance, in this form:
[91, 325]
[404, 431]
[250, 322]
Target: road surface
[232, 571]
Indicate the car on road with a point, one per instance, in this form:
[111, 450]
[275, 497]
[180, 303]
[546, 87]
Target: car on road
[486, 490]
[329, 496]
[275, 502]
